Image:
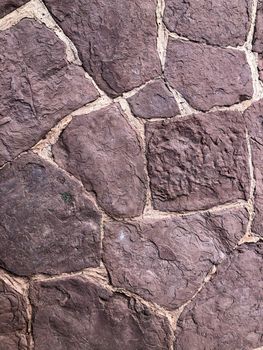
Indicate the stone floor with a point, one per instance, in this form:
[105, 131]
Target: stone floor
[131, 175]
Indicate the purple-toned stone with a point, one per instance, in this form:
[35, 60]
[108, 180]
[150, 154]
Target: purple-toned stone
[7, 6]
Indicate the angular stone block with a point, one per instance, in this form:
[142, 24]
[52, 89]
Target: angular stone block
[7, 6]
[116, 39]
[208, 76]
[222, 22]
[74, 313]
[104, 152]
[38, 87]
[48, 225]
[227, 314]
[154, 101]
[166, 260]
[198, 162]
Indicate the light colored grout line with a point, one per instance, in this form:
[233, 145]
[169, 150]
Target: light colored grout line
[249, 42]
[162, 33]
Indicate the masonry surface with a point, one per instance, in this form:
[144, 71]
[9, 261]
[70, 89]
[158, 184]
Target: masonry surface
[131, 176]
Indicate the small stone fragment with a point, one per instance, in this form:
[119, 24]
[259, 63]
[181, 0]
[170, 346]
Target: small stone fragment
[154, 101]
[227, 314]
[48, 225]
[198, 162]
[257, 40]
[7, 6]
[116, 40]
[221, 22]
[13, 319]
[104, 152]
[38, 87]
[208, 76]
[254, 120]
[77, 313]
[166, 260]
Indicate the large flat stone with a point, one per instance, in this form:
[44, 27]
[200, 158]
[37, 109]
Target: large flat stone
[7, 6]
[198, 162]
[221, 22]
[208, 76]
[13, 319]
[38, 87]
[227, 314]
[166, 260]
[48, 225]
[74, 313]
[116, 40]
[105, 153]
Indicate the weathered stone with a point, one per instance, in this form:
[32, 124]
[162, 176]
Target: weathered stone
[257, 40]
[220, 22]
[13, 319]
[7, 6]
[166, 260]
[227, 314]
[38, 87]
[76, 313]
[198, 162]
[116, 40]
[154, 101]
[48, 225]
[254, 120]
[208, 76]
[105, 153]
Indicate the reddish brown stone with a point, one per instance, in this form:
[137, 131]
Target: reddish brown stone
[116, 39]
[7, 6]
[227, 314]
[197, 162]
[48, 225]
[208, 76]
[13, 319]
[166, 260]
[105, 153]
[254, 120]
[76, 313]
[38, 87]
[154, 101]
[222, 22]
[257, 40]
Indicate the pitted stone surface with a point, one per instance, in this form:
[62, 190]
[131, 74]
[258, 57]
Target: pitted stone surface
[227, 314]
[197, 162]
[166, 260]
[105, 153]
[74, 311]
[38, 87]
[254, 120]
[154, 101]
[7, 6]
[208, 76]
[13, 319]
[47, 225]
[220, 22]
[257, 40]
[116, 40]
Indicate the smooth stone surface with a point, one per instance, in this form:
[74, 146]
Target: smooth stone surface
[198, 162]
[105, 153]
[208, 76]
[166, 260]
[48, 225]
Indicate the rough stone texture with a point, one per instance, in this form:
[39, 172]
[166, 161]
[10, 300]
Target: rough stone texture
[228, 312]
[13, 319]
[208, 76]
[47, 225]
[220, 22]
[7, 6]
[198, 162]
[166, 260]
[257, 40]
[154, 101]
[108, 160]
[75, 313]
[116, 40]
[254, 120]
[38, 86]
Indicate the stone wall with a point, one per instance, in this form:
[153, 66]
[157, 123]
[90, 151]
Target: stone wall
[131, 194]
